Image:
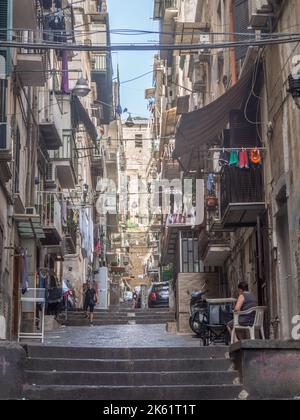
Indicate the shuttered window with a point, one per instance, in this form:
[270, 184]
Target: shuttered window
[241, 24]
[3, 88]
[5, 22]
[3, 19]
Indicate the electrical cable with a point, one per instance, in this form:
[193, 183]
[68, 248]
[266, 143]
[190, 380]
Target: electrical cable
[138, 77]
[150, 47]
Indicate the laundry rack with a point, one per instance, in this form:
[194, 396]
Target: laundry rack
[32, 326]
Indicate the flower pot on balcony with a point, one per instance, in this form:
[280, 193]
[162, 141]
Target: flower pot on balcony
[211, 202]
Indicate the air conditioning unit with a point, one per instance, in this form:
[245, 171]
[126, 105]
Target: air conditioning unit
[261, 13]
[30, 210]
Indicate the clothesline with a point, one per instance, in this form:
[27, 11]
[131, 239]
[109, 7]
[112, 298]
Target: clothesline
[232, 149]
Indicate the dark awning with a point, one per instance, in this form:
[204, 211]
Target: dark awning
[204, 125]
[81, 116]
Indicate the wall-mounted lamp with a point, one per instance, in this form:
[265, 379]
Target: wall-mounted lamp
[129, 122]
[82, 88]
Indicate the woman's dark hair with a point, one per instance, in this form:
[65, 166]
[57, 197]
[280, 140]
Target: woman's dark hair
[243, 286]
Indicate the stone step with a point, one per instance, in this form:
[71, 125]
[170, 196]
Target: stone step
[119, 365]
[131, 379]
[38, 351]
[134, 393]
[115, 318]
[124, 311]
[98, 323]
[120, 315]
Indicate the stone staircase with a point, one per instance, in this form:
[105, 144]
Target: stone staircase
[119, 316]
[186, 373]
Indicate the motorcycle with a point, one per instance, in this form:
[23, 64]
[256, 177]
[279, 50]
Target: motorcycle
[209, 321]
[198, 312]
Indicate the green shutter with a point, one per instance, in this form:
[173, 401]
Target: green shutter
[3, 19]
[6, 22]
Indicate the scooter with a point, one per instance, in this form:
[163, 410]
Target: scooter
[209, 320]
[198, 312]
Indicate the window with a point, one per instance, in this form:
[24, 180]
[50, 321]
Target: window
[17, 161]
[190, 258]
[3, 86]
[1, 248]
[139, 141]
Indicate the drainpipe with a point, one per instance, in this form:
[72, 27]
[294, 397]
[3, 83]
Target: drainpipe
[232, 38]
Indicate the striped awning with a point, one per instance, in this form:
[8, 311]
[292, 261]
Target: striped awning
[203, 126]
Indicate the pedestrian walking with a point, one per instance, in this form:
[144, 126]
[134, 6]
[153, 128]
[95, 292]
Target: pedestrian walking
[134, 299]
[90, 301]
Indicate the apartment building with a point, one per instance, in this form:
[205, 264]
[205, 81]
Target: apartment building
[56, 107]
[209, 105]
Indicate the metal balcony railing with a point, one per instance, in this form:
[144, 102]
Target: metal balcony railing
[50, 210]
[170, 4]
[241, 186]
[99, 62]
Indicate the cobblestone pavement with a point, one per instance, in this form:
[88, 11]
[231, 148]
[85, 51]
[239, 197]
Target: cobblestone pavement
[114, 336]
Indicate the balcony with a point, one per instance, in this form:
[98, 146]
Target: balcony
[242, 197]
[102, 76]
[98, 11]
[191, 33]
[262, 13]
[70, 231]
[50, 210]
[161, 7]
[174, 224]
[99, 63]
[96, 163]
[24, 14]
[214, 248]
[66, 162]
[50, 120]
[25, 63]
[170, 169]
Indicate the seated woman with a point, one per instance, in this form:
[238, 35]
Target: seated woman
[245, 301]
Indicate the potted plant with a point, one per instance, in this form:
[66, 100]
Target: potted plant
[211, 202]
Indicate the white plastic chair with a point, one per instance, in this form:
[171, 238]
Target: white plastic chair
[258, 323]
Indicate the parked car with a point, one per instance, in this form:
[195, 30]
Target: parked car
[159, 295]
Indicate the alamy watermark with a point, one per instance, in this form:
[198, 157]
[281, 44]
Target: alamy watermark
[182, 199]
[296, 327]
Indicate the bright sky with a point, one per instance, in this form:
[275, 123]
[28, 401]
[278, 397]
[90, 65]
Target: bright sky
[133, 14]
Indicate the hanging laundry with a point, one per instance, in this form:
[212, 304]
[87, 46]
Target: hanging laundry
[210, 183]
[234, 158]
[224, 158]
[65, 75]
[243, 159]
[43, 284]
[75, 217]
[255, 157]
[25, 277]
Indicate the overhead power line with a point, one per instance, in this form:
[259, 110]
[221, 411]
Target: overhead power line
[137, 78]
[150, 47]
